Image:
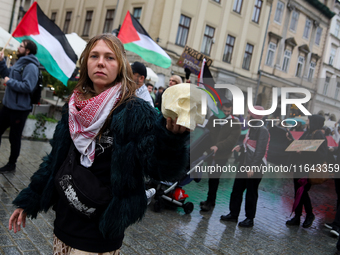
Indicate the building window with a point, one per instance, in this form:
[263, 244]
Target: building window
[137, 13]
[53, 16]
[337, 89]
[311, 70]
[318, 35]
[67, 22]
[326, 85]
[294, 21]
[87, 25]
[299, 68]
[307, 29]
[109, 21]
[332, 56]
[247, 56]
[271, 54]
[207, 40]
[279, 12]
[237, 6]
[228, 50]
[257, 11]
[337, 28]
[286, 60]
[183, 30]
[217, 1]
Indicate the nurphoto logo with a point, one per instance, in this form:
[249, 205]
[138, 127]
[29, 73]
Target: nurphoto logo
[239, 102]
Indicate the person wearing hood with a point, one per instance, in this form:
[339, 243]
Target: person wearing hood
[314, 125]
[254, 154]
[20, 80]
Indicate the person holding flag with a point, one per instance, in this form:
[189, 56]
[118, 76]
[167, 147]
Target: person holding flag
[20, 81]
[41, 42]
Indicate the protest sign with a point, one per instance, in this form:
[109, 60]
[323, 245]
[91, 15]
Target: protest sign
[305, 145]
[192, 59]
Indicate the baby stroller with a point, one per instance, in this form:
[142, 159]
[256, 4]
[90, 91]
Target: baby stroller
[172, 194]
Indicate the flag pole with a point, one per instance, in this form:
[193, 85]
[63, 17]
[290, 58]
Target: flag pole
[3, 50]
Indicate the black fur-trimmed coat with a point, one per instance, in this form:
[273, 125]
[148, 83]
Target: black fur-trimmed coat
[142, 146]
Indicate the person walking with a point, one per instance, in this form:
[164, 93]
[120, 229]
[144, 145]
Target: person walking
[314, 125]
[223, 137]
[254, 154]
[20, 80]
[113, 140]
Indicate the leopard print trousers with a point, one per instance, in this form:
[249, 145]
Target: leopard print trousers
[60, 248]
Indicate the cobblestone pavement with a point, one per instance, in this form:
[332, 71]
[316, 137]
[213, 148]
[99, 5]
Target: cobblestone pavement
[171, 231]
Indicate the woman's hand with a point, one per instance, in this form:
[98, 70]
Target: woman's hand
[174, 128]
[18, 217]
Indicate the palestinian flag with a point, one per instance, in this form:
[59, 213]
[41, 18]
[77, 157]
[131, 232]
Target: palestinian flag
[206, 82]
[136, 39]
[54, 51]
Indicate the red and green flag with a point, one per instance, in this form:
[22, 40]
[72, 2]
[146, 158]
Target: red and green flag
[136, 39]
[206, 82]
[54, 51]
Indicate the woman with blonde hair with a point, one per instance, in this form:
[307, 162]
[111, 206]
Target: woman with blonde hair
[107, 141]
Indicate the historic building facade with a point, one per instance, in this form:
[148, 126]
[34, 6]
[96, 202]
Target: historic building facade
[293, 50]
[327, 99]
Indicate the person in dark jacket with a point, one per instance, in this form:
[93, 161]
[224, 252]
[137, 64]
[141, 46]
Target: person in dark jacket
[223, 139]
[334, 226]
[20, 80]
[249, 174]
[314, 125]
[120, 138]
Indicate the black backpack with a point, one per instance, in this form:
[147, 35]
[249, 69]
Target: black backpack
[36, 93]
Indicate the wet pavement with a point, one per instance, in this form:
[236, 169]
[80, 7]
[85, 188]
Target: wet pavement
[171, 231]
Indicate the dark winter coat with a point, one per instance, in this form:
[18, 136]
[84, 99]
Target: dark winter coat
[259, 138]
[142, 146]
[21, 82]
[224, 136]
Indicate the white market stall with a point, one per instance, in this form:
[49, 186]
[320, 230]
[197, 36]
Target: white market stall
[13, 44]
[77, 43]
[151, 75]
